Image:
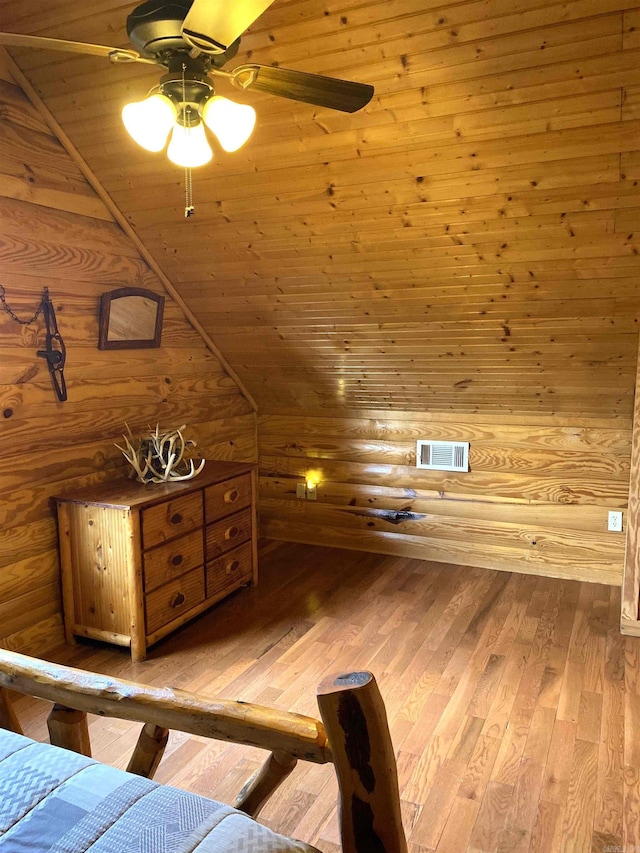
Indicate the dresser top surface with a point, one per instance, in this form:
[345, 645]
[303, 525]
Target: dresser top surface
[127, 494]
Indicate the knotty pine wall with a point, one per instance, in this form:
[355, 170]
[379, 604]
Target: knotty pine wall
[466, 246]
[55, 231]
[535, 499]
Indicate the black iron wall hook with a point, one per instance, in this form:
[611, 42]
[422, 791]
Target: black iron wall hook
[55, 351]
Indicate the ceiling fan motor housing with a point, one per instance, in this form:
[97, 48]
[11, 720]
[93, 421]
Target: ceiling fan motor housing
[155, 30]
[155, 26]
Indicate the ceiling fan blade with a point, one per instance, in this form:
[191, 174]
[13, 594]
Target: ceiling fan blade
[213, 25]
[114, 53]
[328, 92]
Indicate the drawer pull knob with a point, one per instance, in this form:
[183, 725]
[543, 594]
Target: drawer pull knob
[231, 496]
[231, 532]
[233, 566]
[176, 518]
[176, 560]
[178, 600]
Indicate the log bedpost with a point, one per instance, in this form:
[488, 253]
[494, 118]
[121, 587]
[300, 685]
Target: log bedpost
[8, 719]
[355, 719]
[257, 790]
[68, 729]
[148, 751]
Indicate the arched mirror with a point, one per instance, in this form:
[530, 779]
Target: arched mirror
[130, 318]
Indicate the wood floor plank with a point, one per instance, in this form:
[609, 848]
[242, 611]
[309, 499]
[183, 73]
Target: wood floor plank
[499, 714]
[590, 716]
[609, 798]
[436, 809]
[577, 831]
[491, 819]
[556, 781]
[457, 830]
[545, 829]
[513, 701]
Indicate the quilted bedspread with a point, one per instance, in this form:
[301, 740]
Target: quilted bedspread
[55, 801]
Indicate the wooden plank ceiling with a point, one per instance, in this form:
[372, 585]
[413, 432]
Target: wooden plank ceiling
[464, 243]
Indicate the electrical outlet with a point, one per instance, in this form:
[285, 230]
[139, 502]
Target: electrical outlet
[301, 491]
[311, 491]
[615, 521]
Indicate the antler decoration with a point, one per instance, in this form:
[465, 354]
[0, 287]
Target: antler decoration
[160, 457]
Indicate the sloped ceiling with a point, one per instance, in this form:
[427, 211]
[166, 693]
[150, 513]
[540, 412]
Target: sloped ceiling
[464, 243]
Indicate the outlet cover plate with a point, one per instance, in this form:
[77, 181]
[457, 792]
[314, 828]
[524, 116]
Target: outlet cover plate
[615, 521]
[301, 491]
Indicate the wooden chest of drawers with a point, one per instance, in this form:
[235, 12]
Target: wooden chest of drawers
[138, 561]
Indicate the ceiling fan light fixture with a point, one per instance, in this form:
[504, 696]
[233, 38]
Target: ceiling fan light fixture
[189, 147]
[231, 123]
[149, 122]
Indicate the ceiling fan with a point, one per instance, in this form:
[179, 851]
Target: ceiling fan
[193, 40]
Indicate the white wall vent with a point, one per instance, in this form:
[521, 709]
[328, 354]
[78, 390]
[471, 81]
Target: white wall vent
[443, 455]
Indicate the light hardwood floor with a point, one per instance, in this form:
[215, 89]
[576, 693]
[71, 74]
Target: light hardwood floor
[514, 701]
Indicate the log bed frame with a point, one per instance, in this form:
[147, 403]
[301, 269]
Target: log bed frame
[353, 735]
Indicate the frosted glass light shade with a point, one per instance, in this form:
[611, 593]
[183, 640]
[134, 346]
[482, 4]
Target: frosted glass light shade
[148, 122]
[189, 146]
[231, 123]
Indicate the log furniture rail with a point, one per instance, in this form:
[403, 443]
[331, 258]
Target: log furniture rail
[353, 735]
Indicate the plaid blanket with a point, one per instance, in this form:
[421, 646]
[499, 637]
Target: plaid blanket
[55, 801]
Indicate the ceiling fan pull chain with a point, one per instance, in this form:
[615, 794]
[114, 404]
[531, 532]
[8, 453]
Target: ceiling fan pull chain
[188, 194]
[188, 183]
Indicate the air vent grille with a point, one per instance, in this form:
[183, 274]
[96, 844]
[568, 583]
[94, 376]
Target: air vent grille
[443, 455]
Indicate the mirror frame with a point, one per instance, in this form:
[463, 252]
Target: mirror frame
[106, 301]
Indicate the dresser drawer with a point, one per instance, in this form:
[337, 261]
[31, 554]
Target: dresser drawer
[234, 568]
[224, 498]
[176, 597]
[165, 521]
[226, 534]
[169, 561]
